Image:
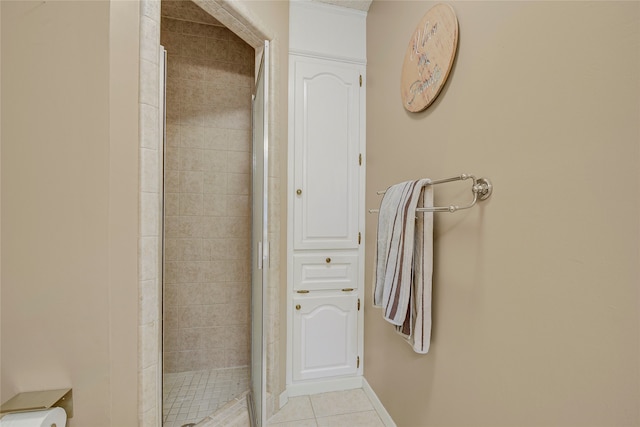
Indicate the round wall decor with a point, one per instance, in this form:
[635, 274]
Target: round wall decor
[429, 58]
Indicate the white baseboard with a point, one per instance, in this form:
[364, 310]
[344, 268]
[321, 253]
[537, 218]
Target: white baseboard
[377, 404]
[324, 386]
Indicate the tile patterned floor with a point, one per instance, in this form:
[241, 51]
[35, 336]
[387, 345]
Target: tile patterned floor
[349, 408]
[189, 397]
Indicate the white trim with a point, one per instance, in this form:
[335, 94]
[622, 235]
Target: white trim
[323, 386]
[331, 57]
[377, 404]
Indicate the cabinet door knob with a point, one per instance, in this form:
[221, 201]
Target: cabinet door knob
[328, 260]
[299, 191]
[298, 307]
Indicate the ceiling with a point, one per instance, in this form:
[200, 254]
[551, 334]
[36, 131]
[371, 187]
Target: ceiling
[188, 11]
[351, 4]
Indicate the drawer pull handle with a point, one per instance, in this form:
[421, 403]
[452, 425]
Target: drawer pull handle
[298, 307]
[299, 191]
[303, 291]
[347, 289]
[328, 260]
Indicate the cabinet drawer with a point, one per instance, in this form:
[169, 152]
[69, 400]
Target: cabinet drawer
[325, 271]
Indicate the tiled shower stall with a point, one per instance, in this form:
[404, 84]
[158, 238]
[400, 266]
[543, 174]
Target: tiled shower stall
[239, 20]
[207, 197]
[207, 215]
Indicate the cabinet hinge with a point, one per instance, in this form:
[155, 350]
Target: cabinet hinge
[359, 237]
[358, 304]
[360, 159]
[357, 362]
[360, 80]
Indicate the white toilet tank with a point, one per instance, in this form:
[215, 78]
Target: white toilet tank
[53, 417]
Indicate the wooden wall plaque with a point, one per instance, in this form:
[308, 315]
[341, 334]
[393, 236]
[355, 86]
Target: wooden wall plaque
[429, 58]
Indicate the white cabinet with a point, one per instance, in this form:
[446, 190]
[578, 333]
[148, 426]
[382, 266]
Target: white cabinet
[325, 200]
[327, 155]
[324, 335]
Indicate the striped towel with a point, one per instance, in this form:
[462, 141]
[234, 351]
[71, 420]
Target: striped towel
[404, 261]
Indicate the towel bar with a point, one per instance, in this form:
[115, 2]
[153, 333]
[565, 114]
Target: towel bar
[481, 189]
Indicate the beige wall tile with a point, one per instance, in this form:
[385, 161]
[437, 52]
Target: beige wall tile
[148, 252]
[214, 293]
[238, 206]
[215, 205]
[148, 165]
[215, 182]
[215, 160]
[172, 132]
[172, 160]
[193, 68]
[239, 140]
[217, 49]
[171, 340]
[194, 46]
[192, 114]
[190, 204]
[170, 25]
[149, 342]
[239, 292]
[238, 183]
[207, 186]
[150, 214]
[171, 41]
[216, 138]
[191, 182]
[237, 357]
[215, 337]
[192, 92]
[191, 159]
[192, 136]
[148, 83]
[149, 134]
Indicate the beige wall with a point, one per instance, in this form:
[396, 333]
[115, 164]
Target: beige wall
[69, 204]
[536, 304]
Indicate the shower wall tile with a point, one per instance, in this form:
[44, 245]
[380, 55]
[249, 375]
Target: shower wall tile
[149, 341]
[215, 205]
[148, 167]
[207, 197]
[149, 82]
[173, 135]
[215, 182]
[190, 204]
[238, 183]
[149, 134]
[192, 136]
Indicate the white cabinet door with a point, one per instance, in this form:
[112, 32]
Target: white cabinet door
[325, 336]
[327, 102]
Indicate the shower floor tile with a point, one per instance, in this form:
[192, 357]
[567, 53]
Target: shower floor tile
[189, 397]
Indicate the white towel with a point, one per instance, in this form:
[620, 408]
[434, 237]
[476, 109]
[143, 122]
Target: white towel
[404, 261]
